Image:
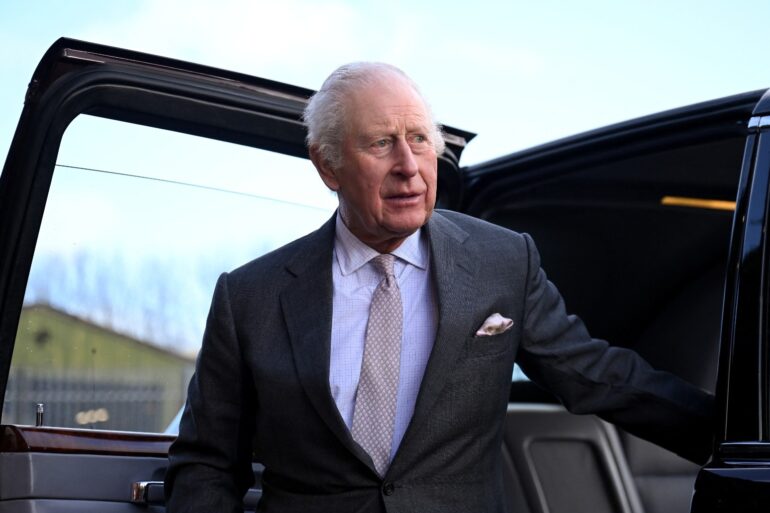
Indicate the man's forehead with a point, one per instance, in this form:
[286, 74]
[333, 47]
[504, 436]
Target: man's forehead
[382, 104]
[396, 123]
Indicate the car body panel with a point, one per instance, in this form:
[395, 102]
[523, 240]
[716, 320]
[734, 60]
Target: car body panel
[738, 477]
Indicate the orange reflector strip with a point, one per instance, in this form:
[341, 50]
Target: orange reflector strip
[680, 201]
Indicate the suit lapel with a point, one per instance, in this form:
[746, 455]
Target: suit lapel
[452, 272]
[307, 308]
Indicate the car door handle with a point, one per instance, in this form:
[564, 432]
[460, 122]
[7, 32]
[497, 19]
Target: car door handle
[147, 492]
[151, 493]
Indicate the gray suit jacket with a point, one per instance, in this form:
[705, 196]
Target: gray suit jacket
[261, 387]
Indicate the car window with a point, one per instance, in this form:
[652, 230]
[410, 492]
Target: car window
[138, 224]
[518, 374]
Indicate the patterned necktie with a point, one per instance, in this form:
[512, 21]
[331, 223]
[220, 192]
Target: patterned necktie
[375, 411]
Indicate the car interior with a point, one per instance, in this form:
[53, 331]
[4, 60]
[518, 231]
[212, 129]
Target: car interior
[641, 273]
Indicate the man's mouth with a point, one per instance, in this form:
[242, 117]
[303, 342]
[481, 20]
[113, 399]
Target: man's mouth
[405, 199]
[404, 195]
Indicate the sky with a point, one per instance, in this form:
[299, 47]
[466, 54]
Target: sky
[518, 73]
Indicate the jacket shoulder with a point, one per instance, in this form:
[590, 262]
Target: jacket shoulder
[479, 231]
[277, 265]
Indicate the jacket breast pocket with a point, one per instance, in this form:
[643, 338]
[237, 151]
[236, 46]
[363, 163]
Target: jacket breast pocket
[490, 345]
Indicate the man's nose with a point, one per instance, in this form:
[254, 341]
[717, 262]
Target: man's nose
[405, 163]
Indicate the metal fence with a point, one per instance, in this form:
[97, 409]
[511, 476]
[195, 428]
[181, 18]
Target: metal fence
[128, 402]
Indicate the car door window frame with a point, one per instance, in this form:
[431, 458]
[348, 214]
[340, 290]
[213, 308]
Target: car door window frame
[71, 82]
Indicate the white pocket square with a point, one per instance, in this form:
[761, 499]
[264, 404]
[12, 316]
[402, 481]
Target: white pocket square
[493, 325]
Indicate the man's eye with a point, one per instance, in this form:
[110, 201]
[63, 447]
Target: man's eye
[419, 139]
[381, 143]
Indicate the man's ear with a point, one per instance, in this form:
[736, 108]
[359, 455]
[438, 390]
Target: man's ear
[325, 170]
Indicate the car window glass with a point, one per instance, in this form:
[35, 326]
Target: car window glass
[138, 224]
[518, 374]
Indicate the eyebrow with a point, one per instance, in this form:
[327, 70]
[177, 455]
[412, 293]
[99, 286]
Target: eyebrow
[389, 131]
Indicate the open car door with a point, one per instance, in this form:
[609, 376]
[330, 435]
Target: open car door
[738, 476]
[131, 182]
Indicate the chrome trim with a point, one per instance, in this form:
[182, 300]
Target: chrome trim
[759, 122]
[139, 491]
[80, 55]
[454, 139]
[39, 413]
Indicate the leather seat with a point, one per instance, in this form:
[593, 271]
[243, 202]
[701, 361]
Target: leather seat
[563, 463]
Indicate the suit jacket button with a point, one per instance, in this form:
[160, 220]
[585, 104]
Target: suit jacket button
[388, 489]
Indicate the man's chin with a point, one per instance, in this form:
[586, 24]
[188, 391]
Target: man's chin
[406, 229]
[409, 223]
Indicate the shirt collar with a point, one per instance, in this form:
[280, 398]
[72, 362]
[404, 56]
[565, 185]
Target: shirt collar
[352, 254]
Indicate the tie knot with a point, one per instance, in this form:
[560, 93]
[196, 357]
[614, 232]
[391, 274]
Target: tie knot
[384, 264]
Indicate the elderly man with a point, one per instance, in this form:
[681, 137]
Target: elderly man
[367, 365]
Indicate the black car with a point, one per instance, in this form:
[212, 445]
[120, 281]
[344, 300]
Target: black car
[130, 184]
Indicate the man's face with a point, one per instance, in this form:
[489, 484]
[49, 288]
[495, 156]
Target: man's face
[387, 180]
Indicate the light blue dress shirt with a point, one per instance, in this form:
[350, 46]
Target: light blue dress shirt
[354, 279]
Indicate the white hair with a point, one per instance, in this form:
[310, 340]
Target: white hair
[325, 113]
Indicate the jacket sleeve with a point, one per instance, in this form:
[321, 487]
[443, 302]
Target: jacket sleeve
[590, 376]
[210, 462]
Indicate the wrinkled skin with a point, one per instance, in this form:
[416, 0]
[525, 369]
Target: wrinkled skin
[386, 184]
